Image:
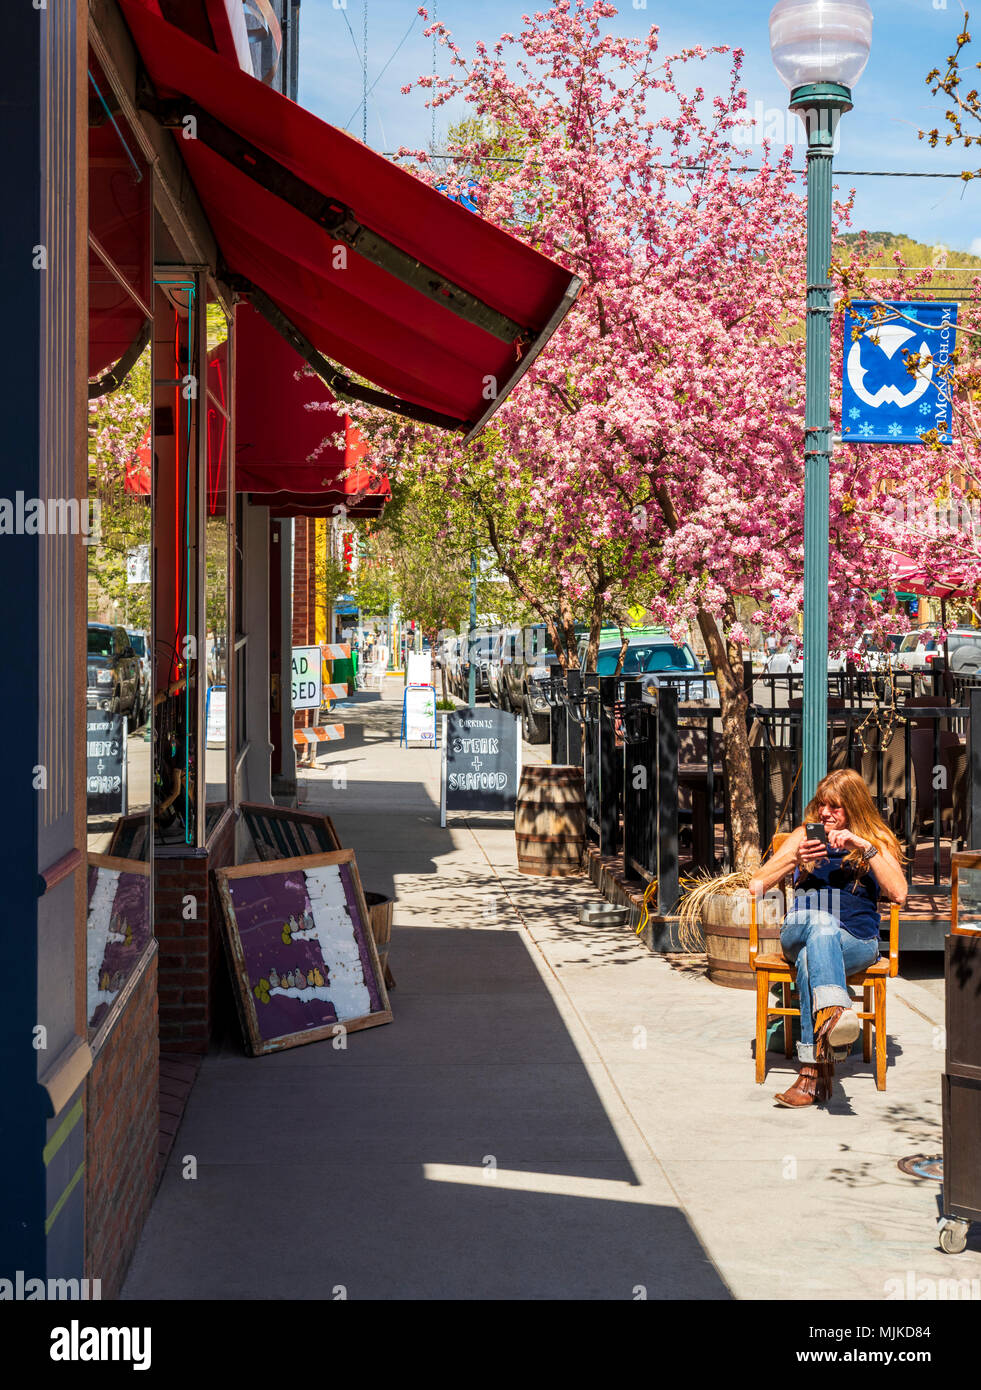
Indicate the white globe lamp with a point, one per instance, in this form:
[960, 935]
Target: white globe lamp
[815, 42]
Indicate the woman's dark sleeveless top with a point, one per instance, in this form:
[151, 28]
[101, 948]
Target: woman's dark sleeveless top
[847, 893]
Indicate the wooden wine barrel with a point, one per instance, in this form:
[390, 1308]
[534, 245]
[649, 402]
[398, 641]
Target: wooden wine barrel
[380, 911]
[725, 927]
[550, 820]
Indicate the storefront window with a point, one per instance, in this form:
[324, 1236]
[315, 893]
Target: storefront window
[217, 560]
[179, 644]
[119, 644]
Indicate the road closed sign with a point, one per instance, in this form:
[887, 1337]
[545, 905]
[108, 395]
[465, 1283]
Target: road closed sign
[306, 678]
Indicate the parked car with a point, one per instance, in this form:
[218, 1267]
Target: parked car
[789, 660]
[140, 642]
[920, 649]
[483, 642]
[448, 660]
[113, 682]
[502, 651]
[527, 659]
[878, 654]
[651, 651]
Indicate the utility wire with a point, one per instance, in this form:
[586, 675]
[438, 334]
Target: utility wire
[432, 138]
[384, 69]
[364, 72]
[700, 168]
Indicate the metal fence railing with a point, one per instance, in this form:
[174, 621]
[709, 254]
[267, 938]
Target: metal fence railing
[655, 782]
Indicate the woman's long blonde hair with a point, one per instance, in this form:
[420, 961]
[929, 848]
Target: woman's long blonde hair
[845, 788]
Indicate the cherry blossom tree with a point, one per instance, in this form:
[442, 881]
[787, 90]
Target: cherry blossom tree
[664, 423]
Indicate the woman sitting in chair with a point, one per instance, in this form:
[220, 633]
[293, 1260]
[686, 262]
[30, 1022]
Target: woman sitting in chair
[832, 930]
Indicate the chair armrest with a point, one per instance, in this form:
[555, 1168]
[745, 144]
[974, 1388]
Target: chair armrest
[893, 939]
[754, 932]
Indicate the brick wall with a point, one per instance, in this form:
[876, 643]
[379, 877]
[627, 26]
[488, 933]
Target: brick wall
[184, 961]
[122, 1104]
[192, 973]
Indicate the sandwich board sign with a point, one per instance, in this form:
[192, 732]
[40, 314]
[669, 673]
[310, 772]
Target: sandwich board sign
[105, 763]
[882, 402]
[419, 715]
[481, 761]
[306, 678]
[420, 669]
[216, 716]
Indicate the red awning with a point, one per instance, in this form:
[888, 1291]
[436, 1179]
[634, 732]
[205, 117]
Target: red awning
[291, 436]
[368, 265]
[323, 504]
[907, 576]
[287, 424]
[120, 234]
[138, 474]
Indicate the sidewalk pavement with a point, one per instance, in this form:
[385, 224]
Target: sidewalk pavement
[554, 1112]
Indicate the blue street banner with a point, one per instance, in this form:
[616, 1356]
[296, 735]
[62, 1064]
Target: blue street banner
[463, 199]
[882, 402]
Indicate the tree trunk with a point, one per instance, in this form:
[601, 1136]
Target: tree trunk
[734, 700]
[595, 629]
[624, 644]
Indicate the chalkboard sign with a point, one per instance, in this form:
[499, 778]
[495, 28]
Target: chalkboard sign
[481, 761]
[105, 763]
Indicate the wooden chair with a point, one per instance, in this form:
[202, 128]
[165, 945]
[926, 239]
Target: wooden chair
[775, 970]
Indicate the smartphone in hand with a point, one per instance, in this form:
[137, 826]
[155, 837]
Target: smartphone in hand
[816, 831]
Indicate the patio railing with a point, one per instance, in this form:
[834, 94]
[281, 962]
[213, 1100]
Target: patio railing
[655, 782]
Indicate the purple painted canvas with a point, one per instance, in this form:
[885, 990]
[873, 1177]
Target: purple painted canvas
[118, 933]
[306, 957]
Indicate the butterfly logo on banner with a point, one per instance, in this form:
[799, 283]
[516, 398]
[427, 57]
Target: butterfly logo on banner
[882, 402]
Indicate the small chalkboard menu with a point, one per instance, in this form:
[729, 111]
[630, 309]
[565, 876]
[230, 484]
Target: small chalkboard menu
[481, 761]
[105, 763]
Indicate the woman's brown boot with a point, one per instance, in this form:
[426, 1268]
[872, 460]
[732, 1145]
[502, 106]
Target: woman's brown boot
[835, 1029]
[825, 1081]
[804, 1091]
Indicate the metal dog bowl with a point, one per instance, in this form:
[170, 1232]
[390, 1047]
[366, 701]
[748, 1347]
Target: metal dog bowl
[603, 915]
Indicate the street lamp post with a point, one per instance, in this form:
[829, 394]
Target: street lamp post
[820, 49]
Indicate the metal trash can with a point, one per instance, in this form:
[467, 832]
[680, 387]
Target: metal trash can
[962, 1092]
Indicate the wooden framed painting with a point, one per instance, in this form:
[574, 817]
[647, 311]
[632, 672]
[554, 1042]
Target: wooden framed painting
[280, 832]
[302, 952]
[118, 928]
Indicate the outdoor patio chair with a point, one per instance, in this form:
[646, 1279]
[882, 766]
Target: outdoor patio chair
[927, 702]
[775, 970]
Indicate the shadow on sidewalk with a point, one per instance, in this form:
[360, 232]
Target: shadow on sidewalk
[461, 1152]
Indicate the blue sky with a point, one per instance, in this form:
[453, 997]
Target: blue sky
[892, 100]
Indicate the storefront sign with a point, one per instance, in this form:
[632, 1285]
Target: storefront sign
[481, 761]
[138, 565]
[419, 715]
[420, 670]
[881, 401]
[105, 763]
[216, 716]
[306, 684]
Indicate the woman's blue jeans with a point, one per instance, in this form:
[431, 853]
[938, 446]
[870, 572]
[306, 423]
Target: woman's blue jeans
[825, 955]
